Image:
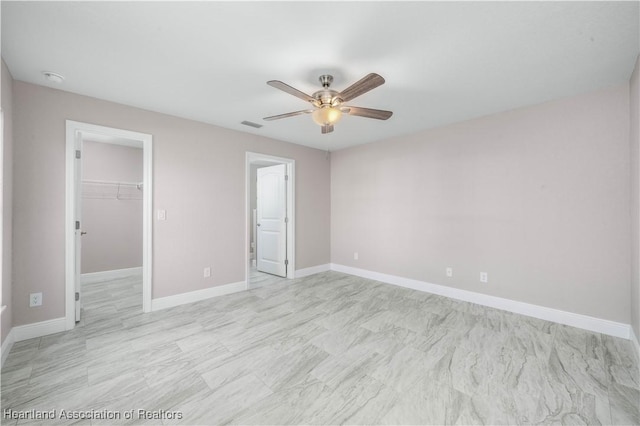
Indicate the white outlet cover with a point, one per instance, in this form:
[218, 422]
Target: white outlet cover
[207, 272]
[35, 299]
[355, 255]
[450, 272]
[162, 215]
[484, 277]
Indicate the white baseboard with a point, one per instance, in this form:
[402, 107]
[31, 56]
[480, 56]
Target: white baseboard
[96, 277]
[312, 270]
[585, 322]
[196, 296]
[7, 345]
[39, 329]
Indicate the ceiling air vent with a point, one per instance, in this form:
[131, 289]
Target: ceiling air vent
[251, 124]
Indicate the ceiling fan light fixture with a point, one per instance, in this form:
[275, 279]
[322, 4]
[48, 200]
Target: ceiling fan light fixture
[326, 115]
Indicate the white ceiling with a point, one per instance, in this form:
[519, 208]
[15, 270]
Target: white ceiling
[209, 61]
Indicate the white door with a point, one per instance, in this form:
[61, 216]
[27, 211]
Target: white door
[78, 221]
[271, 212]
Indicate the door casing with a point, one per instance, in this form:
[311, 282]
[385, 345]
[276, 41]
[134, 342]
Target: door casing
[264, 159]
[77, 202]
[72, 129]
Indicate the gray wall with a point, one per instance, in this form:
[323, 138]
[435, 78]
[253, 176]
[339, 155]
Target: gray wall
[114, 226]
[7, 203]
[634, 136]
[199, 179]
[537, 197]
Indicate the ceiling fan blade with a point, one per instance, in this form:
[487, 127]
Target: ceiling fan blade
[360, 87]
[289, 114]
[368, 112]
[327, 128]
[290, 90]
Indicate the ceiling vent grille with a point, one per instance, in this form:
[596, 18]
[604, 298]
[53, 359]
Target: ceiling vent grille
[251, 124]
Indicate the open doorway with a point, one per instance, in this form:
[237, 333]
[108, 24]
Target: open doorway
[111, 229]
[108, 236]
[270, 219]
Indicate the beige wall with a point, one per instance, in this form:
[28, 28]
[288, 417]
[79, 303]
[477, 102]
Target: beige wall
[537, 197]
[7, 195]
[199, 173]
[634, 138]
[113, 226]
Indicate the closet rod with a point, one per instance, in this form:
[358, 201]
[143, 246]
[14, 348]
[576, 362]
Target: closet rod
[110, 182]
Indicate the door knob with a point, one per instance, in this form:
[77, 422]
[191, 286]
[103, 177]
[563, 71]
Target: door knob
[258, 224]
[83, 232]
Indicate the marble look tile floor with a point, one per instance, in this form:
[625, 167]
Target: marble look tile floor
[324, 349]
[260, 279]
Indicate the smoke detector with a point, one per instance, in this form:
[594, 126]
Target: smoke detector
[53, 77]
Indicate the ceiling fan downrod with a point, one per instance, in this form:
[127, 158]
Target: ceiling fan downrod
[326, 80]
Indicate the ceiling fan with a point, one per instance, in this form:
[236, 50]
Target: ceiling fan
[329, 104]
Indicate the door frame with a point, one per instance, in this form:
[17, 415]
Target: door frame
[252, 158]
[73, 127]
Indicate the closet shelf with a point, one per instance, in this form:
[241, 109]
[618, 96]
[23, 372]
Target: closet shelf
[111, 190]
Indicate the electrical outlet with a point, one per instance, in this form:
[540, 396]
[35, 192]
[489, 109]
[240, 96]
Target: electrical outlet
[35, 299]
[484, 277]
[355, 255]
[162, 215]
[449, 272]
[207, 272]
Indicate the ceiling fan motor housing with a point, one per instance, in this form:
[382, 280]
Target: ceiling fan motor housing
[327, 98]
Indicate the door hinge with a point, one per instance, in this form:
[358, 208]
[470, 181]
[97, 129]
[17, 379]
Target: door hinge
[286, 262]
[78, 154]
[77, 296]
[286, 177]
[77, 225]
[286, 220]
